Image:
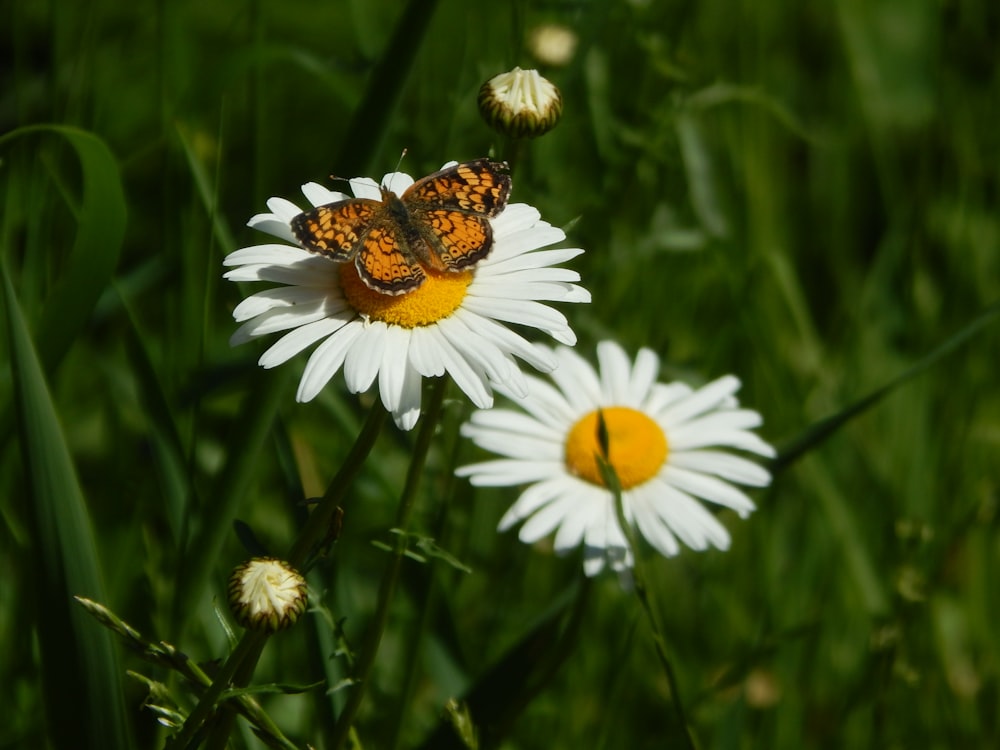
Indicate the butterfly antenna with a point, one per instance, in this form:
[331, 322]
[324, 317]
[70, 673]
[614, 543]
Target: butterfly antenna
[398, 163]
[401, 156]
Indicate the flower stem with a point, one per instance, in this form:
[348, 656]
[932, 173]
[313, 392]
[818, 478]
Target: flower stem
[610, 477]
[642, 593]
[318, 525]
[240, 665]
[369, 648]
[250, 642]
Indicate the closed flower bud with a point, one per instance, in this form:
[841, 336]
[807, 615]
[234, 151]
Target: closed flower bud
[552, 44]
[520, 103]
[266, 594]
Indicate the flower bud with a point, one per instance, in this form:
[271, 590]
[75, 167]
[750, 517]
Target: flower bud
[520, 103]
[552, 44]
[266, 594]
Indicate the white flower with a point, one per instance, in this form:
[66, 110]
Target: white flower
[663, 442]
[453, 323]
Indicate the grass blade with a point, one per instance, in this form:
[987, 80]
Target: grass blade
[82, 693]
[96, 246]
[824, 428]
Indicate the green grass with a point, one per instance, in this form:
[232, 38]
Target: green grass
[806, 196]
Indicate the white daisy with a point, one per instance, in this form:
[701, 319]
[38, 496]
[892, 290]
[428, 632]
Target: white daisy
[453, 323]
[662, 441]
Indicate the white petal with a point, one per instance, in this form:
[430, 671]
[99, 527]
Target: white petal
[705, 398]
[615, 374]
[571, 531]
[273, 225]
[365, 187]
[644, 372]
[320, 195]
[578, 382]
[547, 519]
[724, 419]
[467, 376]
[604, 533]
[723, 465]
[532, 499]
[393, 367]
[326, 360]
[687, 438]
[549, 405]
[519, 312]
[593, 561]
[507, 340]
[523, 448]
[280, 319]
[397, 182]
[708, 488]
[541, 264]
[408, 411]
[650, 525]
[515, 252]
[663, 395]
[281, 209]
[426, 354]
[514, 218]
[364, 357]
[266, 255]
[298, 340]
[689, 520]
[497, 366]
[529, 289]
[314, 270]
[507, 473]
[514, 424]
[282, 296]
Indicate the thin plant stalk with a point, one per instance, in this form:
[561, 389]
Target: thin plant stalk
[240, 666]
[429, 598]
[611, 481]
[251, 642]
[366, 657]
[318, 525]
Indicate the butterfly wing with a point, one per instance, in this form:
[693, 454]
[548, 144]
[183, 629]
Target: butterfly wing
[457, 240]
[361, 229]
[385, 262]
[479, 187]
[337, 230]
[451, 210]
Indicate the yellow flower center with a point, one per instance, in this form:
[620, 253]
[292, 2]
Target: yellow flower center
[437, 298]
[637, 447]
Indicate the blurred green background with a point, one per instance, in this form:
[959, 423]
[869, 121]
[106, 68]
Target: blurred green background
[804, 194]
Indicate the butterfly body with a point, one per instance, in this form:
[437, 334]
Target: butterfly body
[441, 222]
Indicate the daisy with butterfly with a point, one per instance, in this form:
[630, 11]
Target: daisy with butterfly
[440, 222]
[405, 280]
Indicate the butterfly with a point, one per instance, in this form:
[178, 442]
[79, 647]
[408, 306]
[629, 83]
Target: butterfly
[441, 222]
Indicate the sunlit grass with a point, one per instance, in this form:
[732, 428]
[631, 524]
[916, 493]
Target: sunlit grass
[804, 198]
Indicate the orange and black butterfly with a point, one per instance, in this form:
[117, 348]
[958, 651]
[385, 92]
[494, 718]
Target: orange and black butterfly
[440, 222]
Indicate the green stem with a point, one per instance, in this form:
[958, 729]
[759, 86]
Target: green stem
[240, 666]
[429, 594]
[250, 642]
[218, 737]
[661, 647]
[390, 578]
[610, 477]
[318, 525]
